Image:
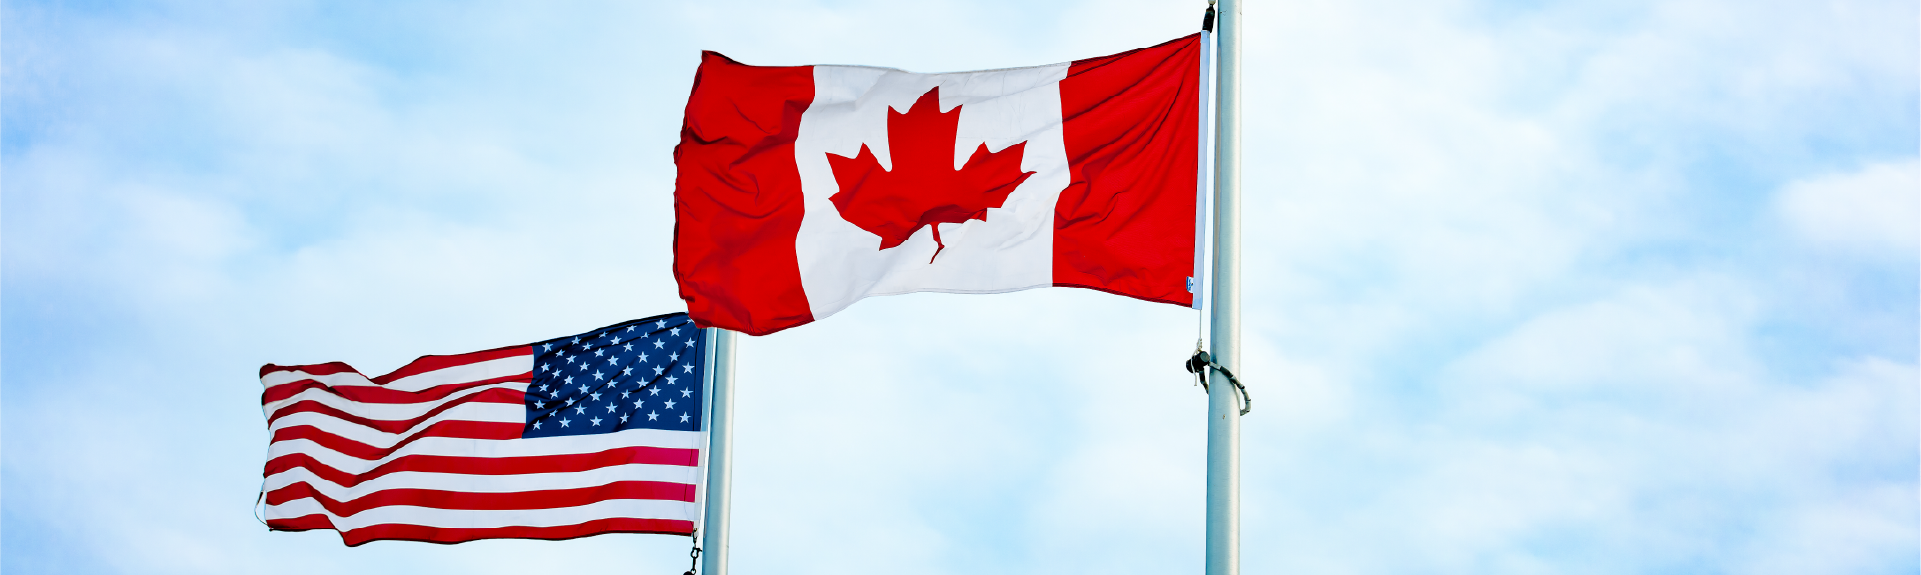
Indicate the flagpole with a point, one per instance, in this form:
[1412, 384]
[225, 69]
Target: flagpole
[720, 448]
[1223, 409]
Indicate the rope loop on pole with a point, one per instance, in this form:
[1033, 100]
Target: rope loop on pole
[1201, 362]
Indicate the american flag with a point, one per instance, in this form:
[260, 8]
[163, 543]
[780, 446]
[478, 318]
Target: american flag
[575, 436]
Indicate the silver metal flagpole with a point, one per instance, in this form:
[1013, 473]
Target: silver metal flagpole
[720, 448]
[1223, 409]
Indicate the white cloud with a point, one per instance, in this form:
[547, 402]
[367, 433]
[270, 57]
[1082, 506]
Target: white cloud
[1637, 432]
[1875, 210]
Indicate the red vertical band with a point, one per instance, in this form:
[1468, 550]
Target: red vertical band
[737, 196]
[1125, 223]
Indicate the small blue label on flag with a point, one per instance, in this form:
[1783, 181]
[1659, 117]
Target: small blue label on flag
[1190, 284]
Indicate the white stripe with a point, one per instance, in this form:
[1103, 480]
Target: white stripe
[472, 519]
[471, 372]
[484, 412]
[487, 483]
[529, 447]
[1198, 282]
[386, 411]
[458, 374]
[481, 412]
[347, 378]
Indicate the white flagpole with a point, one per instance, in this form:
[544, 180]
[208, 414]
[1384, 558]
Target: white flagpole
[1223, 409]
[720, 447]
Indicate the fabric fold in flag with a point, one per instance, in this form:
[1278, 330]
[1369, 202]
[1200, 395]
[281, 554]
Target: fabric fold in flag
[594, 433]
[803, 189]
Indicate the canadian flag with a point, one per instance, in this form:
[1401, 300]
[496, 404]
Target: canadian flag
[804, 189]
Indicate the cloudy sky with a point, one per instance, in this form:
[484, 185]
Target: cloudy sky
[1607, 286]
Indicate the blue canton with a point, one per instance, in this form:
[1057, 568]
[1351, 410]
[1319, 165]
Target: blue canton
[642, 374]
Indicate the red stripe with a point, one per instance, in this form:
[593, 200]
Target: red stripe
[495, 395]
[1125, 223]
[439, 499]
[369, 394]
[737, 197]
[565, 463]
[428, 363]
[456, 429]
[363, 535]
[419, 365]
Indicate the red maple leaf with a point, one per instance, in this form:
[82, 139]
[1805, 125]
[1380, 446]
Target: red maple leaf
[923, 189]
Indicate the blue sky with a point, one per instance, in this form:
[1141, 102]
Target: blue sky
[1531, 287]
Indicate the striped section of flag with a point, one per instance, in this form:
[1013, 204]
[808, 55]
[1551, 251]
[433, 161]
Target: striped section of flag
[554, 440]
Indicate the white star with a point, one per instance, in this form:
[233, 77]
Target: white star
[616, 340]
[688, 367]
[643, 358]
[675, 331]
[623, 418]
[637, 405]
[576, 339]
[660, 344]
[610, 408]
[653, 415]
[543, 387]
[547, 347]
[583, 366]
[613, 360]
[596, 397]
[686, 393]
[580, 409]
[583, 389]
[599, 352]
[670, 380]
[653, 391]
[598, 376]
[630, 328]
[629, 370]
[569, 358]
[536, 425]
[660, 324]
[623, 395]
[690, 343]
[570, 401]
[627, 346]
[658, 370]
[683, 418]
[540, 405]
[563, 422]
[596, 421]
[543, 367]
[569, 380]
[673, 357]
[670, 404]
